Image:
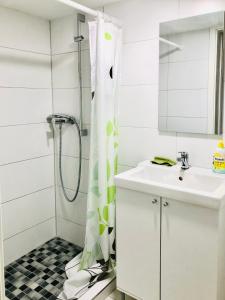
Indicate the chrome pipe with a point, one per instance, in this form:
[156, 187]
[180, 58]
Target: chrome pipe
[79, 38]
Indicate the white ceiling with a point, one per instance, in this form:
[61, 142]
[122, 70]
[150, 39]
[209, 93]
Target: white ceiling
[96, 3]
[49, 9]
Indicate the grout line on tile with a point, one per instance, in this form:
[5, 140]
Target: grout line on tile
[68, 220]
[69, 52]
[23, 160]
[22, 196]
[54, 135]
[71, 156]
[80, 192]
[184, 89]
[138, 84]
[71, 88]
[24, 87]
[23, 124]
[28, 228]
[25, 51]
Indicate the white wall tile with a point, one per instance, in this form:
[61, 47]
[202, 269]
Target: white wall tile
[70, 142]
[195, 46]
[163, 95]
[25, 142]
[138, 144]
[194, 125]
[76, 211]
[28, 240]
[22, 31]
[70, 173]
[163, 76]
[25, 98]
[24, 213]
[140, 63]
[64, 70]
[162, 125]
[71, 232]
[188, 103]
[188, 75]
[138, 106]
[22, 106]
[24, 69]
[63, 31]
[25, 177]
[164, 51]
[200, 148]
[67, 101]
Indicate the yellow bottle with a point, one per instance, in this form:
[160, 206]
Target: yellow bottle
[219, 158]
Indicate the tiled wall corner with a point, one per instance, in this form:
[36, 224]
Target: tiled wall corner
[71, 217]
[27, 162]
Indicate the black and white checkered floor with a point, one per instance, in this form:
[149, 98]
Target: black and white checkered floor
[40, 274]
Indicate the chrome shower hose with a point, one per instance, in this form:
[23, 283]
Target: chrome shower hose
[60, 163]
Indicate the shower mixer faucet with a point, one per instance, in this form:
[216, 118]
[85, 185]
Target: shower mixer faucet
[61, 119]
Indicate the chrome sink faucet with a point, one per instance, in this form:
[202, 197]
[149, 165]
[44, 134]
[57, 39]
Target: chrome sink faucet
[184, 159]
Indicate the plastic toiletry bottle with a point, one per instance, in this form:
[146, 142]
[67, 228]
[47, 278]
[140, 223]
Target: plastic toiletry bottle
[219, 158]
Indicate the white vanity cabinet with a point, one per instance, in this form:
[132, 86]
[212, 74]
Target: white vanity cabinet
[168, 249]
[189, 239]
[138, 244]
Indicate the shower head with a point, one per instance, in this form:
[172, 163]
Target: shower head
[78, 38]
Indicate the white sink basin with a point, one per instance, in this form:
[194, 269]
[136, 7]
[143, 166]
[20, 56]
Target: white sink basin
[195, 185]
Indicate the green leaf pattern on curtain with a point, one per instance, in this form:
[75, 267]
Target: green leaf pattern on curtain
[105, 61]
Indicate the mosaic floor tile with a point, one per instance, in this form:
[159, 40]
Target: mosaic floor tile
[39, 275]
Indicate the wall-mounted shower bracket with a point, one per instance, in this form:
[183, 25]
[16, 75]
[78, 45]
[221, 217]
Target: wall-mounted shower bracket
[80, 18]
[78, 39]
[84, 132]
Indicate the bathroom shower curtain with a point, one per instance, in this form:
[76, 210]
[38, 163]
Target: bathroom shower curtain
[105, 54]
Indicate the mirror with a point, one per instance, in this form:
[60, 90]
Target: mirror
[191, 75]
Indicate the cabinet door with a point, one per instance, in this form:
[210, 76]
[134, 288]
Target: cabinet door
[138, 244]
[188, 252]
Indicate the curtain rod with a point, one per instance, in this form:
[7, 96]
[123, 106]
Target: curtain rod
[89, 11]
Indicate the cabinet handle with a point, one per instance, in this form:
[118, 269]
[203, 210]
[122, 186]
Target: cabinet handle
[154, 201]
[165, 204]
